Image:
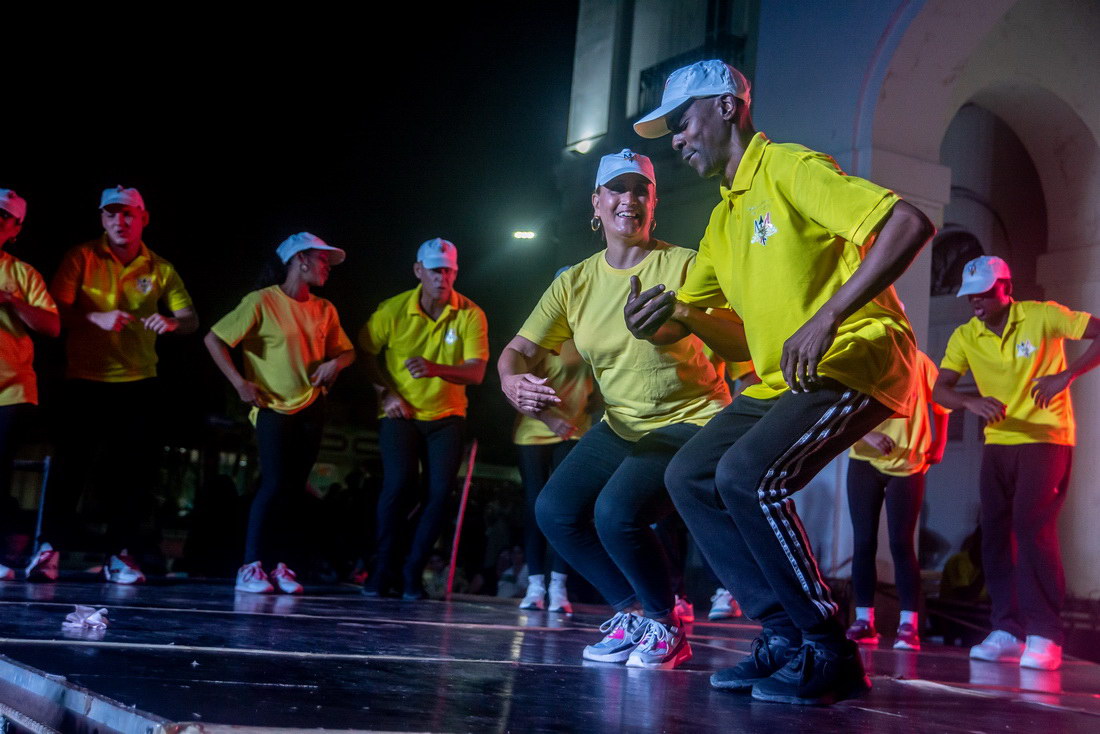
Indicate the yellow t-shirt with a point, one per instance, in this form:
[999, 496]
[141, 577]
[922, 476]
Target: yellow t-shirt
[91, 278]
[17, 380]
[571, 378]
[401, 328]
[790, 230]
[644, 387]
[1031, 346]
[912, 436]
[284, 340]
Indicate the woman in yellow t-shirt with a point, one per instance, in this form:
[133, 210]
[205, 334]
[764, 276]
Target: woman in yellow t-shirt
[24, 304]
[293, 349]
[598, 506]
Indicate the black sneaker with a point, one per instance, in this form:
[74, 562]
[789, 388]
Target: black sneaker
[769, 653]
[816, 676]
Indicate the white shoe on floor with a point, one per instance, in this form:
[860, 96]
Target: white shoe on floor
[685, 610]
[122, 569]
[559, 598]
[1041, 654]
[286, 580]
[536, 592]
[723, 605]
[43, 567]
[252, 579]
[6, 574]
[998, 647]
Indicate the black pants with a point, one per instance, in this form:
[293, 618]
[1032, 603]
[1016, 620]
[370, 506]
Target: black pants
[733, 485]
[114, 425]
[402, 443]
[288, 445]
[13, 418]
[536, 464]
[867, 489]
[1022, 490]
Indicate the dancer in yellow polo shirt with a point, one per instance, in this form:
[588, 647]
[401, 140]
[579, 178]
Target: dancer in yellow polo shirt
[598, 507]
[294, 348]
[424, 347]
[24, 304]
[1015, 349]
[116, 298]
[806, 256]
[889, 465]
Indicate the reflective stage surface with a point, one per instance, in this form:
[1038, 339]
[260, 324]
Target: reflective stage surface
[198, 652]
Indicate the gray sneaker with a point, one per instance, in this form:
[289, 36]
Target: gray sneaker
[618, 641]
[659, 646]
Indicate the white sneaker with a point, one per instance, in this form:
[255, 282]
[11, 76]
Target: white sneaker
[559, 598]
[251, 578]
[122, 569]
[1041, 654]
[43, 567]
[659, 646]
[999, 647]
[536, 590]
[685, 610]
[6, 574]
[723, 605]
[286, 580]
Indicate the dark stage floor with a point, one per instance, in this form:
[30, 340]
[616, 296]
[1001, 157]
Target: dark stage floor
[196, 652]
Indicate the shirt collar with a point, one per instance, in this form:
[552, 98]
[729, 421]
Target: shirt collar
[747, 168]
[413, 308]
[105, 249]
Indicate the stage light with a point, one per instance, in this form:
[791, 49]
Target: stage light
[584, 146]
[523, 235]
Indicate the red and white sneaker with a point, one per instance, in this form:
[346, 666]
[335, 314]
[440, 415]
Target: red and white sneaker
[122, 569]
[44, 565]
[286, 580]
[6, 574]
[252, 579]
[659, 646]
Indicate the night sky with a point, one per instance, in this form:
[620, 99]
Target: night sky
[374, 135]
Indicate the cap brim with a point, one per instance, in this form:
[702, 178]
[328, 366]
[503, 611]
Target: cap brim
[615, 173]
[975, 287]
[335, 254]
[654, 124]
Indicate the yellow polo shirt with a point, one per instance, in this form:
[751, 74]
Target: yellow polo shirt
[644, 387]
[790, 230]
[284, 341]
[91, 278]
[1031, 346]
[571, 378]
[17, 380]
[401, 328]
[912, 436]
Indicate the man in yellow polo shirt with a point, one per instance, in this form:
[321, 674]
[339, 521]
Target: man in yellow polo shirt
[116, 297]
[1015, 349]
[806, 256]
[424, 347]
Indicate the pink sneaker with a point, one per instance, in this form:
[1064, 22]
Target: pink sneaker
[43, 567]
[252, 579]
[286, 580]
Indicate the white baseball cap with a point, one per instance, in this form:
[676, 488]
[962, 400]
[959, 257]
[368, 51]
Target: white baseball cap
[296, 243]
[701, 79]
[625, 161]
[121, 195]
[13, 204]
[438, 253]
[981, 273]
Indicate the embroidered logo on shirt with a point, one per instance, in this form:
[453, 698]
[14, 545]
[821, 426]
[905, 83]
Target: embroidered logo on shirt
[451, 336]
[144, 285]
[1025, 349]
[762, 229]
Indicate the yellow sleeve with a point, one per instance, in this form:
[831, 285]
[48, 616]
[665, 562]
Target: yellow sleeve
[375, 334]
[1060, 322]
[66, 281]
[175, 296]
[847, 206]
[336, 341]
[236, 325]
[701, 286]
[548, 325]
[954, 358]
[475, 336]
[34, 290]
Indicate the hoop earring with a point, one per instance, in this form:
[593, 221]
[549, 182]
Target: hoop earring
[595, 224]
